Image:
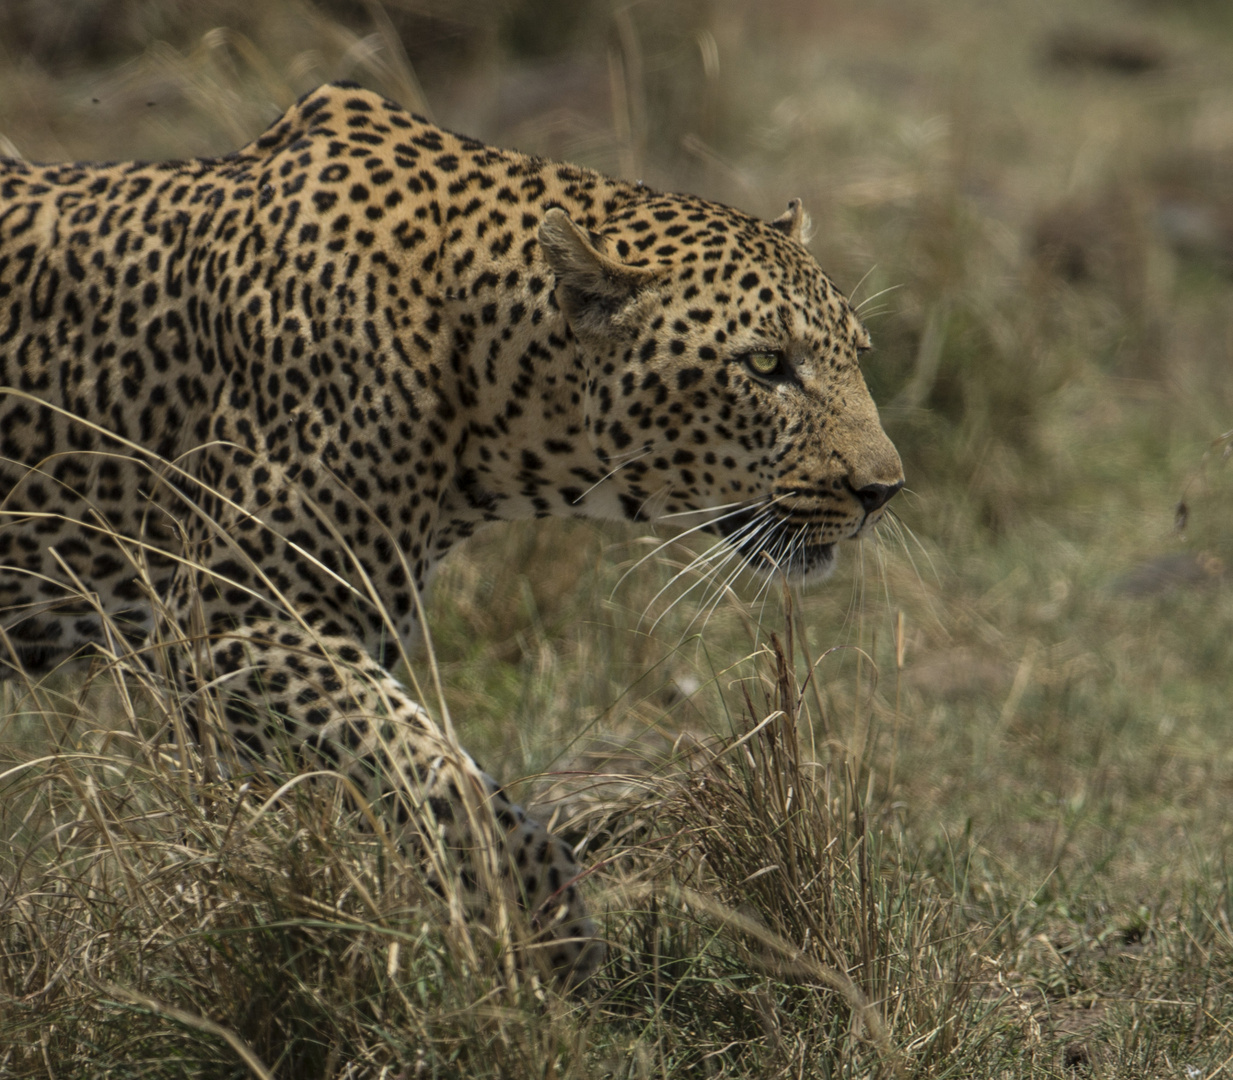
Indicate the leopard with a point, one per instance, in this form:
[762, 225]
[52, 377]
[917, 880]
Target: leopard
[249, 403]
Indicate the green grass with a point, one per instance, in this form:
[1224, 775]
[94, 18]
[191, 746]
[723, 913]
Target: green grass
[988, 837]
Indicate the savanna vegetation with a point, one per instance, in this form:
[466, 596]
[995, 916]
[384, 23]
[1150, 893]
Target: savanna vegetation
[960, 812]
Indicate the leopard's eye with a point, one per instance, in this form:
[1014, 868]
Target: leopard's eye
[764, 364]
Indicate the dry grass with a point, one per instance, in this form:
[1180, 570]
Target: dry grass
[154, 918]
[987, 836]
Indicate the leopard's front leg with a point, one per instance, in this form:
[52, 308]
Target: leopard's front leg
[331, 705]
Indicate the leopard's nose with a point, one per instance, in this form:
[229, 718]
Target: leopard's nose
[875, 496]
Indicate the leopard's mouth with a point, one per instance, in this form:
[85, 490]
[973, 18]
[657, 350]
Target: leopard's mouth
[773, 544]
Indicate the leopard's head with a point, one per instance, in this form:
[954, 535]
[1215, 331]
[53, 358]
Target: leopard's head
[723, 388]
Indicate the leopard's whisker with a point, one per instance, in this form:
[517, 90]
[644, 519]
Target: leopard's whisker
[764, 523]
[857, 287]
[711, 604]
[875, 313]
[669, 541]
[732, 554]
[634, 456]
[740, 504]
[660, 495]
[702, 559]
[797, 539]
[737, 508]
[904, 533]
[860, 308]
[708, 580]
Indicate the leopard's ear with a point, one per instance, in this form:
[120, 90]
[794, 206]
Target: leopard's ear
[795, 223]
[595, 292]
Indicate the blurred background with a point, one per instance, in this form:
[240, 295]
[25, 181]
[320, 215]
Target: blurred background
[1031, 201]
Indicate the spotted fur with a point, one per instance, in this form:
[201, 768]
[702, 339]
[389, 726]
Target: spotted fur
[280, 385]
